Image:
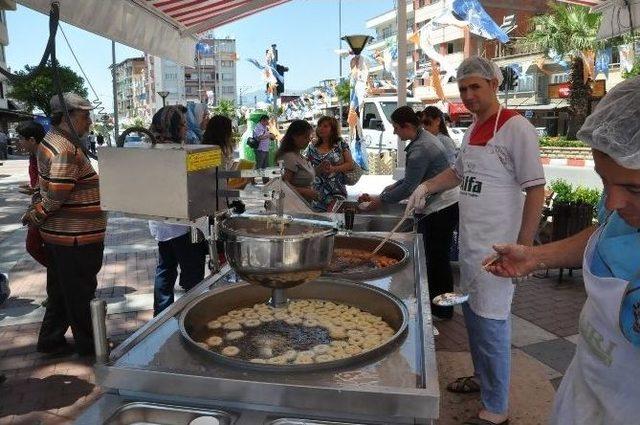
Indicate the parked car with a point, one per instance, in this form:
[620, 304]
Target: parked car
[133, 140]
[542, 131]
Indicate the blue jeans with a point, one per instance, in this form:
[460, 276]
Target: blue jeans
[490, 345]
[262, 159]
[171, 254]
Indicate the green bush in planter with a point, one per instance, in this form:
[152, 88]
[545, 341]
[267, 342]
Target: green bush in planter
[573, 209]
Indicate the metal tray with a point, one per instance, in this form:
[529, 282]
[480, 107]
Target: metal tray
[391, 249]
[367, 297]
[159, 414]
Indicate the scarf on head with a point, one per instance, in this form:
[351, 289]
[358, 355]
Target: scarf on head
[195, 113]
[166, 124]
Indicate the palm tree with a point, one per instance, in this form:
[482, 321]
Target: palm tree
[568, 30]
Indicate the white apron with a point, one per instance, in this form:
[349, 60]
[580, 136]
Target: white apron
[491, 204]
[602, 384]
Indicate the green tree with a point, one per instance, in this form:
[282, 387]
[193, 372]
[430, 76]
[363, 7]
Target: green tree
[343, 91]
[568, 30]
[37, 92]
[225, 107]
[635, 71]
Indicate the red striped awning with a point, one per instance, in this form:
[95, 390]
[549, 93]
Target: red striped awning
[201, 15]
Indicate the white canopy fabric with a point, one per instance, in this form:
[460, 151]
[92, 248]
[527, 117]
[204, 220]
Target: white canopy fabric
[165, 28]
[618, 18]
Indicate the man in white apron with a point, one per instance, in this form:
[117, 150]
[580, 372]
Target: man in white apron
[600, 386]
[501, 195]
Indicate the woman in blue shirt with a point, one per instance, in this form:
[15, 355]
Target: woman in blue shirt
[600, 386]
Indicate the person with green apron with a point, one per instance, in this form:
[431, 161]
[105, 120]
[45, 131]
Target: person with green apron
[600, 386]
[501, 195]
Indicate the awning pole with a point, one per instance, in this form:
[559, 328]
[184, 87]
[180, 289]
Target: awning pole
[116, 129]
[402, 78]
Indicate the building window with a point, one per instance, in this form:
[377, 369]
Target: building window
[227, 64]
[421, 3]
[526, 83]
[227, 76]
[228, 90]
[386, 32]
[2, 58]
[559, 78]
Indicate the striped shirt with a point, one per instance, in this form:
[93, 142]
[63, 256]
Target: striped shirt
[69, 193]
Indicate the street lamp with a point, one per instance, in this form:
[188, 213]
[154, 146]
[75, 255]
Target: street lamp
[163, 95]
[357, 42]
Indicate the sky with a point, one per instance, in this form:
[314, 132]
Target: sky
[305, 31]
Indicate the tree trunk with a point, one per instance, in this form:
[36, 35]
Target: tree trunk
[579, 98]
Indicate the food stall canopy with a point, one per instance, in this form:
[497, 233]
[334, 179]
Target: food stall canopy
[165, 28]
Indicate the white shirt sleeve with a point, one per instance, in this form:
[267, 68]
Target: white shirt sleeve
[522, 142]
[458, 166]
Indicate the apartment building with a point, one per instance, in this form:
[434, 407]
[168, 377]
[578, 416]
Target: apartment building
[131, 92]
[385, 27]
[212, 78]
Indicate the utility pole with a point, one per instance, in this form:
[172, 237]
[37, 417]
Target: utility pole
[275, 95]
[116, 129]
[340, 62]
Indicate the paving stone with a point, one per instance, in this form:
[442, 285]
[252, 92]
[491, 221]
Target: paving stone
[556, 353]
[525, 333]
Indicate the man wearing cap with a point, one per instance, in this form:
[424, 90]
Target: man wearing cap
[601, 384]
[501, 195]
[67, 212]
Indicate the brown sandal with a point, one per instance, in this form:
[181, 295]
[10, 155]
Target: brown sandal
[464, 385]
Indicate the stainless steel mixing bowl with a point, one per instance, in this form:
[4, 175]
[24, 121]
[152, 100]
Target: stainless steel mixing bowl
[263, 253]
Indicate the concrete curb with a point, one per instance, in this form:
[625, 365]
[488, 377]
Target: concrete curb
[570, 162]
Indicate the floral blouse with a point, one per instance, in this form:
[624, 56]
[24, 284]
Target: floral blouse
[328, 185]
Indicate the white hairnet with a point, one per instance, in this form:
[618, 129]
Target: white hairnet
[475, 66]
[614, 126]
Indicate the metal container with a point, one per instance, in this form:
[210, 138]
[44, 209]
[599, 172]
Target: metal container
[366, 297]
[165, 181]
[390, 249]
[262, 256]
[152, 413]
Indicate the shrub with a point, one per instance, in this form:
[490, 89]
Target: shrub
[560, 142]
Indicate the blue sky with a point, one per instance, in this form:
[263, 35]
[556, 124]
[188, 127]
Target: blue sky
[306, 32]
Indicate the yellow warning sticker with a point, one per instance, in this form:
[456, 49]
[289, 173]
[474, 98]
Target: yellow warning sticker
[197, 161]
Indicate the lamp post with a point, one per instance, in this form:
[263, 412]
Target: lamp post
[163, 95]
[357, 42]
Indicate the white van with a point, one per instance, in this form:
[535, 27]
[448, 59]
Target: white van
[375, 118]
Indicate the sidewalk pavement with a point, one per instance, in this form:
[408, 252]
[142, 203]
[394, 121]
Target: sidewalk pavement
[45, 390]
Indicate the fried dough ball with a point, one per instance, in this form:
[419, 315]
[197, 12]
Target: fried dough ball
[231, 336]
[339, 344]
[213, 341]
[290, 355]
[322, 358]
[214, 324]
[352, 350]
[231, 351]
[251, 323]
[232, 326]
[303, 360]
[321, 349]
[292, 320]
[224, 319]
[258, 360]
[310, 323]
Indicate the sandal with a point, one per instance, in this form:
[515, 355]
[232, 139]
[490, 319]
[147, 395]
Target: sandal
[478, 421]
[465, 385]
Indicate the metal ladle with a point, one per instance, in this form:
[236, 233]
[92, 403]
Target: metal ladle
[449, 299]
